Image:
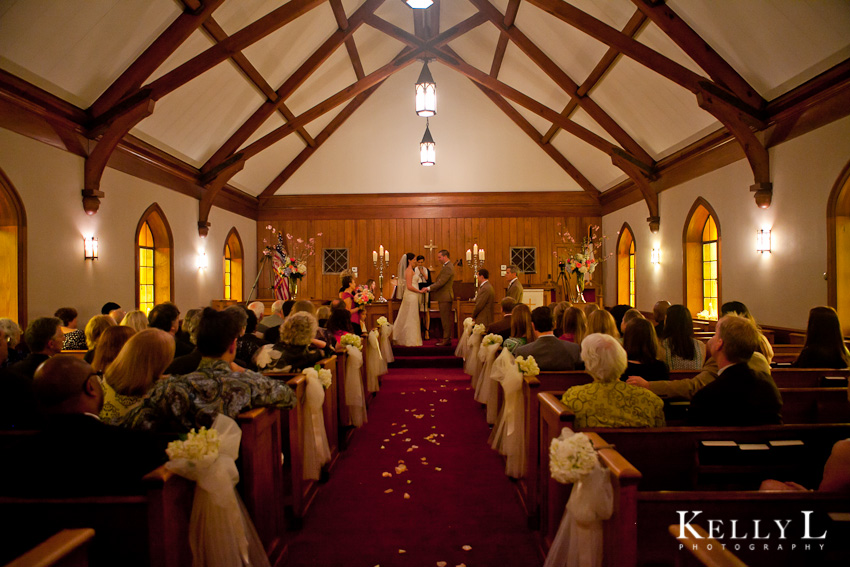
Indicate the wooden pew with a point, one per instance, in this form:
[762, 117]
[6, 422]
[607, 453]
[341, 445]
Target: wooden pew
[149, 528]
[815, 405]
[810, 377]
[709, 553]
[68, 548]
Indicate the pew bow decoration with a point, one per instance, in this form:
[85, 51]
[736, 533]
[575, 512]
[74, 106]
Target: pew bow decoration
[353, 384]
[486, 387]
[375, 365]
[472, 365]
[578, 543]
[220, 531]
[317, 451]
[508, 436]
[462, 350]
[386, 330]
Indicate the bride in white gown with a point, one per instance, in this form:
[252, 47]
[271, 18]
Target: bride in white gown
[406, 330]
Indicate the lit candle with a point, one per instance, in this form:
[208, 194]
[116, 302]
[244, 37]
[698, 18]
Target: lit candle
[374, 256]
[468, 255]
[481, 254]
[387, 255]
[475, 250]
[381, 253]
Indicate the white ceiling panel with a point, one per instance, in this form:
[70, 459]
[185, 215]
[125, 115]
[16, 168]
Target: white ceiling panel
[198, 117]
[375, 48]
[582, 118]
[281, 53]
[775, 45]
[595, 165]
[540, 124]
[397, 13]
[329, 79]
[273, 122]
[478, 46]
[194, 45]
[233, 16]
[453, 13]
[652, 36]
[264, 167]
[75, 50]
[524, 75]
[315, 127]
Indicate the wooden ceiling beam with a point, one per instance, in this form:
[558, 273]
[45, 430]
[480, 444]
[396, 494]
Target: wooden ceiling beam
[350, 45]
[411, 40]
[701, 52]
[526, 101]
[253, 75]
[631, 28]
[554, 72]
[293, 82]
[502, 46]
[154, 56]
[240, 40]
[302, 157]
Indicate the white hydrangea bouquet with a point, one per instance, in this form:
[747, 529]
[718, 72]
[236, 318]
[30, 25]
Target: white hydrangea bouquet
[528, 366]
[571, 456]
[468, 322]
[492, 339]
[198, 450]
[479, 329]
[351, 339]
[323, 375]
[382, 321]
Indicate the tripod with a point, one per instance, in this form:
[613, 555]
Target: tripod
[562, 283]
[257, 279]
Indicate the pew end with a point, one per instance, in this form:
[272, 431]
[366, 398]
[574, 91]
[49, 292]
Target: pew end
[68, 548]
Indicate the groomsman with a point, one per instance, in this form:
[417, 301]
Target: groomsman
[443, 290]
[514, 287]
[483, 313]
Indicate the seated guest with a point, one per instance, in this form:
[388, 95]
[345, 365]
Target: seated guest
[274, 319]
[549, 352]
[601, 321]
[137, 368]
[558, 311]
[738, 396]
[76, 454]
[503, 326]
[180, 403]
[322, 314]
[12, 333]
[108, 307]
[240, 315]
[166, 317]
[607, 402]
[836, 473]
[659, 313]
[117, 315]
[94, 328]
[641, 347]
[185, 331]
[109, 345]
[618, 312]
[680, 350]
[627, 317]
[574, 325]
[17, 403]
[295, 351]
[258, 308]
[324, 339]
[136, 320]
[738, 308]
[824, 346]
[590, 309]
[188, 362]
[272, 333]
[337, 304]
[248, 344]
[521, 331]
[337, 324]
[75, 339]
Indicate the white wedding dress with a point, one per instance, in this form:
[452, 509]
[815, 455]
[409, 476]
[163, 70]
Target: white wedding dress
[406, 330]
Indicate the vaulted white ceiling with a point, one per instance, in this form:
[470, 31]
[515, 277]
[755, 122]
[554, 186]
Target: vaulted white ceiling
[76, 50]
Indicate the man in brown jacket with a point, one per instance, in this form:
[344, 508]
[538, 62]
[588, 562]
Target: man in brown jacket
[442, 290]
[484, 299]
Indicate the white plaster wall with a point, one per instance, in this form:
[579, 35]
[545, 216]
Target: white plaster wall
[779, 288]
[49, 183]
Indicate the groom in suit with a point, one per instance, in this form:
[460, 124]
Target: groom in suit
[443, 291]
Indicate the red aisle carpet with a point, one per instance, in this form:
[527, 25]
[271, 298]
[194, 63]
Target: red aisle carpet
[458, 493]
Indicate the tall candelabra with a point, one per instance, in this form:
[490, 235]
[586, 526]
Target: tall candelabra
[381, 258]
[475, 258]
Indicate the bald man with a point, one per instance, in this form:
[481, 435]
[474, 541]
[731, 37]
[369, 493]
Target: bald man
[76, 454]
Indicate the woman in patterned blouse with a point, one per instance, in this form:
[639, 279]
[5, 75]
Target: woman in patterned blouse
[680, 350]
[607, 402]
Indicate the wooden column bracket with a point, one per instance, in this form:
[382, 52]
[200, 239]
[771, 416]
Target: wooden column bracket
[211, 190]
[640, 178]
[737, 120]
[114, 131]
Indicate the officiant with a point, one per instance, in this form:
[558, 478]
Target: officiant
[423, 277]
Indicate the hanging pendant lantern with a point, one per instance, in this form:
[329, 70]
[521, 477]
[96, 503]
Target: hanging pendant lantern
[426, 93]
[427, 148]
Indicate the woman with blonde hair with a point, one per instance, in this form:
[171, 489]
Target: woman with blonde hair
[521, 330]
[136, 320]
[573, 326]
[601, 321]
[135, 370]
[95, 328]
[558, 317]
[109, 345]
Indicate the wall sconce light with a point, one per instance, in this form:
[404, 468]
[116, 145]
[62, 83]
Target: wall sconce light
[763, 241]
[90, 247]
[202, 261]
[655, 256]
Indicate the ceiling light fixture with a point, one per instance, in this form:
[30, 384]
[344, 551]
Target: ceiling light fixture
[427, 148]
[426, 93]
[419, 4]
